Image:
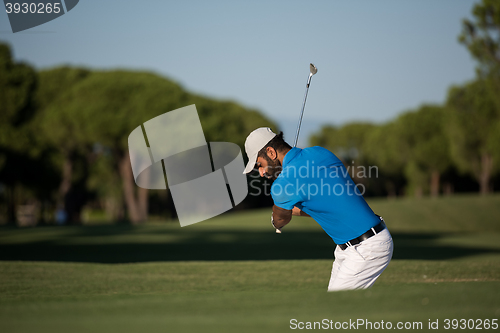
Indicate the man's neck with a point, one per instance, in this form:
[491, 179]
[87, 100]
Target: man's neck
[281, 155]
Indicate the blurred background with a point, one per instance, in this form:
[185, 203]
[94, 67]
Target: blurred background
[411, 88]
[407, 94]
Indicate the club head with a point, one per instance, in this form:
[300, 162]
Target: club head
[313, 69]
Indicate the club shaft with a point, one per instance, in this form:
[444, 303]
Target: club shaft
[302, 111]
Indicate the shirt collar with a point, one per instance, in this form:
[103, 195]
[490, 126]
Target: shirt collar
[292, 153]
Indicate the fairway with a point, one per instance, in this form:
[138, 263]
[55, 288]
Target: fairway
[234, 274]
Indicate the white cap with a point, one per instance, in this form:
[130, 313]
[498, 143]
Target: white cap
[255, 141]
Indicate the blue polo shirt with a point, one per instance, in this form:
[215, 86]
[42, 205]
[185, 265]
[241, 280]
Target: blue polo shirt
[316, 181]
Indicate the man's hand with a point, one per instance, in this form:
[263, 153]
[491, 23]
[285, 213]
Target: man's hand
[298, 212]
[280, 217]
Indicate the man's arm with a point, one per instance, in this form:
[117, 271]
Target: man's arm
[281, 217]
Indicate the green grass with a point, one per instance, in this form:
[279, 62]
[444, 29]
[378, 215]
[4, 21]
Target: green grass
[459, 213]
[233, 274]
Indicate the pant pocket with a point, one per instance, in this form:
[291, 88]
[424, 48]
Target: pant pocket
[358, 253]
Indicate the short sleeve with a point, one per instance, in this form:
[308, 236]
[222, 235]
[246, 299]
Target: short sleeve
[285, 194]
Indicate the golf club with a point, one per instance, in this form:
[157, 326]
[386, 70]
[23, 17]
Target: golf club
[313, 70]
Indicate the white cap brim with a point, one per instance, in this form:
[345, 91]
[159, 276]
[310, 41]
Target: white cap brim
[251, 163]
[254, 143]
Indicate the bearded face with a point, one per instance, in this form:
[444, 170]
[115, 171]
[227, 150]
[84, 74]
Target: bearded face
[273, 169]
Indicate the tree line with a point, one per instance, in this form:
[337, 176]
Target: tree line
[436, 148]
[63, 138]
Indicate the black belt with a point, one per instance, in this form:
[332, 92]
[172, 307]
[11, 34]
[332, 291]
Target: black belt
[372, 232]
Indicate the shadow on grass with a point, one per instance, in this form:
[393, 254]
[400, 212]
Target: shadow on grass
[103, 244]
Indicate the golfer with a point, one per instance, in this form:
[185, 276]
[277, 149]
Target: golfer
[314, 182]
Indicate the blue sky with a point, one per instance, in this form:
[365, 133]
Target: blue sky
[375, 59]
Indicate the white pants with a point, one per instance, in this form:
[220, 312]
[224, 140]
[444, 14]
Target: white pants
[358, 266]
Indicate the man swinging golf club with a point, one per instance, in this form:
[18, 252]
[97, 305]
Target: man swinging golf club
[314, 182]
